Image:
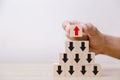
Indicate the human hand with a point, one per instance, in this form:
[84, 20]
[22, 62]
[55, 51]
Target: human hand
[91, 33]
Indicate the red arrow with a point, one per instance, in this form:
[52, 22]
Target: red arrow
[76, 29]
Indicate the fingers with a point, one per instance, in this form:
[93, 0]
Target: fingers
[88, 30]
[67, 29]
[91, 30]
[94, 50]
[66, 24]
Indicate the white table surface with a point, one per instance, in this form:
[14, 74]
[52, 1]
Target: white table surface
[43, 71]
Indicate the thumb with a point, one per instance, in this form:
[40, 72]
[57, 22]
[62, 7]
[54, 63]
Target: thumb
[91, 30]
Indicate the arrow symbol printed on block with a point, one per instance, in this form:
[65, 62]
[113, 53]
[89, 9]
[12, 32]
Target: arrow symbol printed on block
[77, 58]
[83, 46]
[95, 71]
[65, 59]
[71, 46]
[59, 71]
[83, 71]
[76, 29]
[89, 59]
[71, 71]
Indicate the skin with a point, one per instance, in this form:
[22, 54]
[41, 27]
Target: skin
[99, 43]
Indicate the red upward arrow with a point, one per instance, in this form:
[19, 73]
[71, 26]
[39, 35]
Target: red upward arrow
[76, 29]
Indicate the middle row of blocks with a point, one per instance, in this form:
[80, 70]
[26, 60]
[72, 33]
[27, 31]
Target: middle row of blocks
[76, 58]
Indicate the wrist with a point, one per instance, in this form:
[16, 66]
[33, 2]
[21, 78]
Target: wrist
[105, 44]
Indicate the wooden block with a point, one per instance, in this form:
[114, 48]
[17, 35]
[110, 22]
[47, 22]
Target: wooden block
[95, 70]
[82, 70]
[74, 59]
[68, 59]
[76, 46]
[71, 71]
[89, 70]
[75, 30]
[71, 47]
[59, 70]
[63, 58]
[89, 58]
[77, 58]
[83, 46]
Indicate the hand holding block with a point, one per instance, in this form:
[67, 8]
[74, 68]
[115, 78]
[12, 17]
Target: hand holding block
[59, 70]
[77, 61]
[75, 30]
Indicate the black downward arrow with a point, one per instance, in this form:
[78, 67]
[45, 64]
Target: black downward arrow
[95, 71]
[89, 59]
[77, 58]
[59, 71]
[71, 71]
[65, 59]
[83, 71]
[83, 46]
[71, 46]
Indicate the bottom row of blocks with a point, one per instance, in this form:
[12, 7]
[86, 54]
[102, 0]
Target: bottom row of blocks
[88, 70]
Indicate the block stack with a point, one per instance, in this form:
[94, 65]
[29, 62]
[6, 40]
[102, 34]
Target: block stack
[77, 61]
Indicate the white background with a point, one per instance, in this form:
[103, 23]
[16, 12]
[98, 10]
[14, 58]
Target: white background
[30, 30]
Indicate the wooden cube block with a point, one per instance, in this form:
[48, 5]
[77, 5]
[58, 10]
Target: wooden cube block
[89, 70]
[71, 47]
[83, 46]
[59, 70]
[76, 46]
[75, 30]
[67, 59]
[63, 58]
[95, 70]
[89, 58]
[71, 71]
[82, 70]
[77, 58]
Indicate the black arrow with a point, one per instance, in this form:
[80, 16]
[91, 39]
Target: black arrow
[83, 46]
[83, 71]
[89, 59]
[71, 71]
[71, 46]
[65, 59]
[77, 58]
[59, 71]
[95, 71]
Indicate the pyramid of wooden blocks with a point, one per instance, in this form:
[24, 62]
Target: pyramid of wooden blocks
[77, 61]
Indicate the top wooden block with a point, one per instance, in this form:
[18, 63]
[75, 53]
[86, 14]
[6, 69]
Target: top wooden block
[75, 30]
